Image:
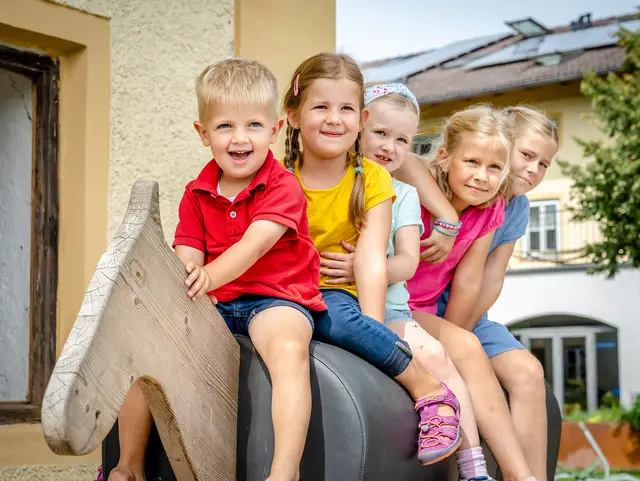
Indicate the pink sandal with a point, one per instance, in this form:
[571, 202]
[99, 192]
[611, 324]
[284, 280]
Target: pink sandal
[439, 435]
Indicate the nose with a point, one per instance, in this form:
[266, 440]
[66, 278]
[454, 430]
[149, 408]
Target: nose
[239, 136]
[333, 117]
[388, 146]
[532, 167]
[480, 174]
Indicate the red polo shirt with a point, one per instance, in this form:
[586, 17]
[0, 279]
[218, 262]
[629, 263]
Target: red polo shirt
[212, 223]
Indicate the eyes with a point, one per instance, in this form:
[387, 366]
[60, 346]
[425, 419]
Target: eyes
[530, 156]
[348, 108]
[497, 167]
[382, 133]
[251, 125]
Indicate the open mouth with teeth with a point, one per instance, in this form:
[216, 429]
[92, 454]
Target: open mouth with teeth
[383, 159]
[240, 155]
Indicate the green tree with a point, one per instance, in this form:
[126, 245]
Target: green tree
[607, 188]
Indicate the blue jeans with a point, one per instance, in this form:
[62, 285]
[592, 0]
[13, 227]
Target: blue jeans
[239, 313]
[345, 326]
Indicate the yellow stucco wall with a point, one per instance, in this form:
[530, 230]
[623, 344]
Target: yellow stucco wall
[273, 33]
[156, 53]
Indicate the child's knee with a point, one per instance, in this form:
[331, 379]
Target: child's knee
[434, 354]
[468, 345]
[287, 353]
[527, 374]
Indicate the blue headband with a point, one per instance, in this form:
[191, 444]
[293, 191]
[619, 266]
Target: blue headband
[380, 90]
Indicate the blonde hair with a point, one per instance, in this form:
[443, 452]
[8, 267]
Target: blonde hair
[481, 121]
[525, 118]
[236, 81]
[331, 66]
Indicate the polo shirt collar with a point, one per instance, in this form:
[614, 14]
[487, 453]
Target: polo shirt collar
[207, 180]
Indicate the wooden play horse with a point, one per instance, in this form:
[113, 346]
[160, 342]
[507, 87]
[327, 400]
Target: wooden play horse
[210, 393]
[136, 322]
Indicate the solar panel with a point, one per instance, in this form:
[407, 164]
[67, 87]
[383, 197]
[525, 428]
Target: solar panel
[563, 42]
[401, 69]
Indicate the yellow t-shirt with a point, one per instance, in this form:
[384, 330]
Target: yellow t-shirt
[328, 211]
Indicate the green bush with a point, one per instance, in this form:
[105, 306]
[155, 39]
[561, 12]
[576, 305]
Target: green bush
[632, 416]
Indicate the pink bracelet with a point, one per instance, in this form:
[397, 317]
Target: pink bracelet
[448, 225]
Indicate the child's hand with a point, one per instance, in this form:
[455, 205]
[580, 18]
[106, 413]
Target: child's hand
[338, 266]
[198, 280]
[437, 246]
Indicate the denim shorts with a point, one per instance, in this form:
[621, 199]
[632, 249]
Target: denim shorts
[239, 313]
[391, 315]
[345, 326]
[495, 337]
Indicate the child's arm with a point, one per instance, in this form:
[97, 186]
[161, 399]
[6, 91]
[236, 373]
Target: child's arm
[413, 172]
[258, 239]
[402, 266]
[492, 281]
[370, 263]
[467, 281]
[188, 254]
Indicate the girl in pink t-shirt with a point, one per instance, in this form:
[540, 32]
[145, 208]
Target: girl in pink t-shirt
[470, 164]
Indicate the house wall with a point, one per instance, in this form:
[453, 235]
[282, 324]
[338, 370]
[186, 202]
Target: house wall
[571, 292]
[157, 51]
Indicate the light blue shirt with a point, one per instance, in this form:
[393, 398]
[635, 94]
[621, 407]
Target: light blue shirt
[406, 211]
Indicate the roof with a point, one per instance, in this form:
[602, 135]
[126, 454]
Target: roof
[501, 62]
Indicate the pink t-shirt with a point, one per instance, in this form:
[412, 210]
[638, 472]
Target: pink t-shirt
[430, 280]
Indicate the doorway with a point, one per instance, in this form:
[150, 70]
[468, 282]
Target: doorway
[580, 362]
[28, 230]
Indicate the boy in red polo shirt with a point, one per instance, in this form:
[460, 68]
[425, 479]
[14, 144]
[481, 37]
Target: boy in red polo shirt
[244, 239]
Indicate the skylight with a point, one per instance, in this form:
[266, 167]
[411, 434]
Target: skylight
[528, 27]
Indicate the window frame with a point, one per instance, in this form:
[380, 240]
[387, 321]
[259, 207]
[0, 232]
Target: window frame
[44, 72]
[543, 252]
[423, 136]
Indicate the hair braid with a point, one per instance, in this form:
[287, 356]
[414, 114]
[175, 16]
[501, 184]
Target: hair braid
[292, 148]
[356, 201]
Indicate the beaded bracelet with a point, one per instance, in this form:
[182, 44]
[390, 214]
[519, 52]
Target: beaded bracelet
[448, 225]
[442, 231]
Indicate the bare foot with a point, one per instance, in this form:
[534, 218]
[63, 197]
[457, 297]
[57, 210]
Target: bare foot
[126, 473]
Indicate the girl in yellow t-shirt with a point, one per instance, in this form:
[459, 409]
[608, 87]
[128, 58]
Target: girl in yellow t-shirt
[349, 198]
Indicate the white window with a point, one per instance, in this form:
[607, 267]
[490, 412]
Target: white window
[422, 144]
[543, 232]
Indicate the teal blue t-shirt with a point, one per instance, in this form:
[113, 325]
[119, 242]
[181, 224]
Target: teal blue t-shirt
[406, 211]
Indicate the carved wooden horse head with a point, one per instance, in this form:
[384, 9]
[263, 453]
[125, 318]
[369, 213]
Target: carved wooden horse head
[137, 323]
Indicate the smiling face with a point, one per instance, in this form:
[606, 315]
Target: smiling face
[531, 157]
[239, 137]
[387, 133]
[329, 118]
[476, 170]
